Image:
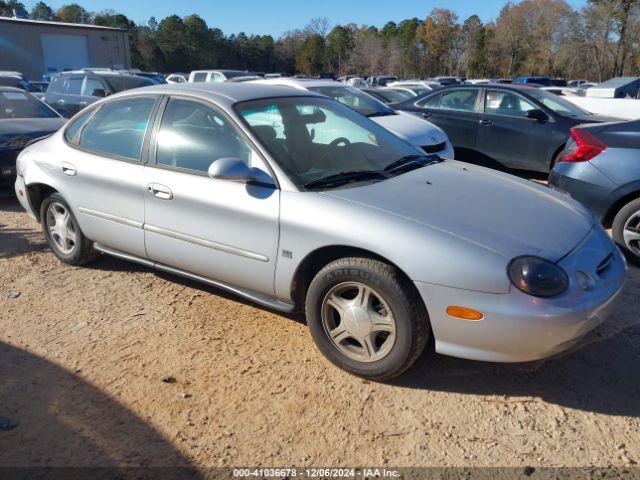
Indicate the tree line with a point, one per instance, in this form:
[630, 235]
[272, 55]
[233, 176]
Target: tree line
[532, 37]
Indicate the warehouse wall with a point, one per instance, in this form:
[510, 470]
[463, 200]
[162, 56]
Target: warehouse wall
[21, 46]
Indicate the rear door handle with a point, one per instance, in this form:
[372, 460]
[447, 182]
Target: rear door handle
[485, 122]
[68, 169]
[60, 102]
[160, 191]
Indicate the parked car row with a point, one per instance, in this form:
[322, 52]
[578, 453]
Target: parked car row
[291, 198]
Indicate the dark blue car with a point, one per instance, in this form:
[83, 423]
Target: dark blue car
[22, 119]
[600, 168]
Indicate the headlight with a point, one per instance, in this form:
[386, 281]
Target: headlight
[537, 277]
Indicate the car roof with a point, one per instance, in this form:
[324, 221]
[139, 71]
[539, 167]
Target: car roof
[301, 83]
[502, 86]
[223, 93]
[100, 73]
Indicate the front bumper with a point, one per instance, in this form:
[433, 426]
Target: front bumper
[518, 327]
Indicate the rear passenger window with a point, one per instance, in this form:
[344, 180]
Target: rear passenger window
[431, 102]
[118, 128]
[192, 136]
[90, 86]
[463, 100]
[72, 131]
[74, 86]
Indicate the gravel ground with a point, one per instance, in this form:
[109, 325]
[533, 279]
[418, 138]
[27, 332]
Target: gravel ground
[115, 365]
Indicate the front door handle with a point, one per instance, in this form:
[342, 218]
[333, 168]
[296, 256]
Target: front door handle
[160, 191]
[425, 115]
[60, 102]
[485, 122]
[68, 169]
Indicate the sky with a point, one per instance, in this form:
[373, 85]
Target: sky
[277, 16]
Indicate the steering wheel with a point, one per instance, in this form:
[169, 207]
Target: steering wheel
[338, 141]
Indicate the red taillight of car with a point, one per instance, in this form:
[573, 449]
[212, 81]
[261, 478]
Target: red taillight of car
[582, 147]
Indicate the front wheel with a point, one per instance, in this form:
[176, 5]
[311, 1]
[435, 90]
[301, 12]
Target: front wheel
[366, 318]
[626, 230]
[63, 234]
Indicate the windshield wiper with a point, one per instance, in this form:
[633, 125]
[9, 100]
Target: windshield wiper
[343, 178]
[412, 161]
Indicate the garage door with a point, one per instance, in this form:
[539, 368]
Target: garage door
[64, 52]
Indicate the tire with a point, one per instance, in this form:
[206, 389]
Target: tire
[80, 250]
[627, 219]
[396, 318]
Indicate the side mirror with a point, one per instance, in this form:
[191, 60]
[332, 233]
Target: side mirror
[235, 170]
[538, 115]
[99, 92]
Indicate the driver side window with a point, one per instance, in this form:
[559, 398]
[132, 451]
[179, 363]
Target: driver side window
[193, 135]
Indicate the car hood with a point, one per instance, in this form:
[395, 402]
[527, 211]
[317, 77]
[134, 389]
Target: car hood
[416, 131]
[499, 212]
[16, 133]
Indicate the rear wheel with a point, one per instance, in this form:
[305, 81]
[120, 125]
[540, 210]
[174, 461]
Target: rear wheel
[626, 230]
[63, 234]
[366, 318]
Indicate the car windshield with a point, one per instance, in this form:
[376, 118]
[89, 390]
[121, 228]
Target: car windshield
[122, 83]
[356, 99]
[557, 104]
[313, 138]
[22, 105]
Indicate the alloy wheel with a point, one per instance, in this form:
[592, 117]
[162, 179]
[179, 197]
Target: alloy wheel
[358, 321]
[61, 228]
[631, 233]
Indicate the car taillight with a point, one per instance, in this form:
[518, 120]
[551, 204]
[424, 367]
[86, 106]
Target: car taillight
[582, 147]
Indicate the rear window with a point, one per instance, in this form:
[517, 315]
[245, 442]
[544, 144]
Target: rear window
[120, 84]
[23, 105]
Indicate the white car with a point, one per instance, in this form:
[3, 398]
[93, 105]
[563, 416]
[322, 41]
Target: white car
[418, 132]
[418, 87]
[205, 76]
[177, 78]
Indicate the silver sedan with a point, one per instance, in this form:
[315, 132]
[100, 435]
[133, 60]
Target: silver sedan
[295, 201]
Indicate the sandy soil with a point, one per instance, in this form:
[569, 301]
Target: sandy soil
[83, 353]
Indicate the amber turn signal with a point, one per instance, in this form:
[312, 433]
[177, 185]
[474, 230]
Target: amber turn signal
[465, 313]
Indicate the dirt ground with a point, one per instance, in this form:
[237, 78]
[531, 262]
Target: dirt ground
[83, 353]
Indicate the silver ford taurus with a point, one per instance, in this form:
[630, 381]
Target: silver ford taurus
[293, 200]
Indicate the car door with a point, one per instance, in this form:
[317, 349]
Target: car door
[101, 172]
[455, 111]
[507, 136]
[219, 229]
